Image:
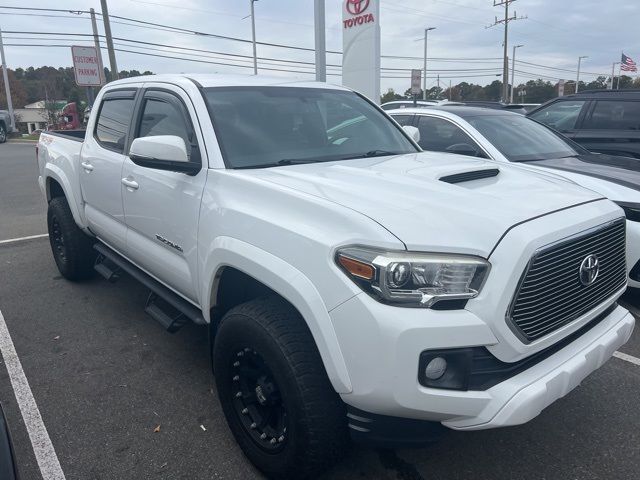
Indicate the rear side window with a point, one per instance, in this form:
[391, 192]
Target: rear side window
[113, 122]
[561, 116]
[614, 115]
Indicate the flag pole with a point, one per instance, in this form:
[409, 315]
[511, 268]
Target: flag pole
[620, 70]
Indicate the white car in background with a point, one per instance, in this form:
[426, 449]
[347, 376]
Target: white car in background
[508, 137]
[399, 104]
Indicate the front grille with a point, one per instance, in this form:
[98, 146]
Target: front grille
[551, 293]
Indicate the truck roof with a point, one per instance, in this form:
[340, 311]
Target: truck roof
[225, 80]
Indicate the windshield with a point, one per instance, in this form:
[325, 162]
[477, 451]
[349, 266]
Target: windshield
[270, 126]
[521, 139]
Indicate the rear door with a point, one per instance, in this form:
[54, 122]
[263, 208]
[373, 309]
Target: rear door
[163, 208]
[102, 157]
[613, 127]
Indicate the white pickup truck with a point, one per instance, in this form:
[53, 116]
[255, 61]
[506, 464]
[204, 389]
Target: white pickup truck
[353, 285]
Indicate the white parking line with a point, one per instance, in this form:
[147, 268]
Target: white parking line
[627, 358]
[22, 239]
[42, 447]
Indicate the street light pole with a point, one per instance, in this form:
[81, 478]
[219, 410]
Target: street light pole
[513, 71]
[424, 73]
[253, 35]
[321, 43]
[578, 76]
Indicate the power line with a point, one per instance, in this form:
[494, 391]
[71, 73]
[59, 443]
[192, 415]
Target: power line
[75, 12]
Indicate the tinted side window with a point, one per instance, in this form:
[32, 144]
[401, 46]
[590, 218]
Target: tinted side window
[561, 115]
[113, 122]
[439, 135]
[163, 118]
[614, 115]
[403, 119]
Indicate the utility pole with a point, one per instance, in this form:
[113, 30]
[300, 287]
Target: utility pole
[513, 70]
[253, 36]
[7, 88]
[107, 32]
[578, 76]
[96, 41]
[505, 64]
[424, 72]
[613, 73]
[321, 42]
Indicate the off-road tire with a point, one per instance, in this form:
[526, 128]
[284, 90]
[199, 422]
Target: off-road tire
[317, 435]
[72, 249]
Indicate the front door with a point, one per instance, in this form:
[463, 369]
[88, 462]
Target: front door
[101, 167]
[162, 207]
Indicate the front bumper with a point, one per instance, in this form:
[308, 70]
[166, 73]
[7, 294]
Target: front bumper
[383, 365]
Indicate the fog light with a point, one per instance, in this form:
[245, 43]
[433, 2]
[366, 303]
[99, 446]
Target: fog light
[435, 368]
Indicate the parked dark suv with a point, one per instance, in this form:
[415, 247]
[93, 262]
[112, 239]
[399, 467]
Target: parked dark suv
[604, 121]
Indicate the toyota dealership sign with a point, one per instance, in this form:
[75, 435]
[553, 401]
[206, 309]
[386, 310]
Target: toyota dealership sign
[361, 47]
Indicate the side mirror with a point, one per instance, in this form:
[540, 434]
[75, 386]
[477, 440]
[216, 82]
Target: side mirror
[463, 149]
[163, 152]
[413, 132]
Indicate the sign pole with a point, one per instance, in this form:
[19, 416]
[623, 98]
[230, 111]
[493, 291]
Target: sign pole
[7, 88]
[415, 85]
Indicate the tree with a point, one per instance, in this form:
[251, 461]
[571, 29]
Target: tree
[18, 93]
[390, 96]
[599, 83]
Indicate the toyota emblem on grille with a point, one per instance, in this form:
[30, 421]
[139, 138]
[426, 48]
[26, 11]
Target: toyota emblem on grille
[589, 269]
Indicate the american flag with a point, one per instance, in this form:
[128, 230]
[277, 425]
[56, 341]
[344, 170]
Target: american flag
[628, 65]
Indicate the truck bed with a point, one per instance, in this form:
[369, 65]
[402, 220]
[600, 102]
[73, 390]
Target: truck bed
[75, 135]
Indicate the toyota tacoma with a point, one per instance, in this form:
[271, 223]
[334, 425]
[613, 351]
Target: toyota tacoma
[353, 286]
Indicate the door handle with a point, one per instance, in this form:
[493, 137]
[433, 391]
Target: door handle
[132, 184]
[87, 166]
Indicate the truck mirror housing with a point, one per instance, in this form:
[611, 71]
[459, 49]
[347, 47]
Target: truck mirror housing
[163, 152]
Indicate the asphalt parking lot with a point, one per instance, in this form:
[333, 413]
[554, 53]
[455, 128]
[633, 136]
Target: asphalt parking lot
[122, 399]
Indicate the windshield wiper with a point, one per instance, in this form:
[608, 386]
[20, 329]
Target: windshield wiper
[371, 154]
[302, 161]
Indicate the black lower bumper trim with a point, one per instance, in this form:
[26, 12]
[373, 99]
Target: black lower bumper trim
[391, 432]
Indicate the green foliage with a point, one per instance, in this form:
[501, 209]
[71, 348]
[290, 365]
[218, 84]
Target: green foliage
[48, 83]
[390, 96]
[536, 91]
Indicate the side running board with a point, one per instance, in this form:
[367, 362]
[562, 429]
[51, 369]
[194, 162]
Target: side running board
[169, 309]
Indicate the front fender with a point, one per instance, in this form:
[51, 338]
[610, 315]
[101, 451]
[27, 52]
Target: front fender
[288, 282]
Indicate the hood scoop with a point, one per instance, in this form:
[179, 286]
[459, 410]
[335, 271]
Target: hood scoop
[470, 176]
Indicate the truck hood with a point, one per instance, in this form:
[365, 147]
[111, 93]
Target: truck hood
[412, 196]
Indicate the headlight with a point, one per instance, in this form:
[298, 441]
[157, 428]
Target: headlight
[413, 279]
[631, 210]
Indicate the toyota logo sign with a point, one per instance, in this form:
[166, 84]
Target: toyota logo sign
[589, 270]
[356, 7]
